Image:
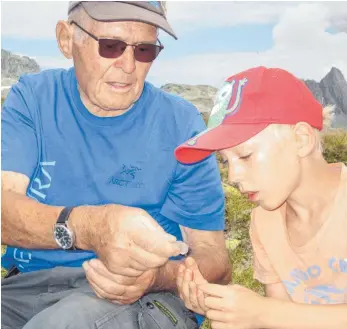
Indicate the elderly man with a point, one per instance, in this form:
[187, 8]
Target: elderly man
[93, 201]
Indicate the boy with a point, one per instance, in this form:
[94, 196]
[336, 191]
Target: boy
[266, 123]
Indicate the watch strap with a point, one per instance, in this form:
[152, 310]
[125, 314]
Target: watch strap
[64, 215]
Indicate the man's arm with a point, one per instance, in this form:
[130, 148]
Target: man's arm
[114, 232]
[25, 222]
[208, 250]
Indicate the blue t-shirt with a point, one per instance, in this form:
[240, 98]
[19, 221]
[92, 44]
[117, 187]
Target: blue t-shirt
[75, 158]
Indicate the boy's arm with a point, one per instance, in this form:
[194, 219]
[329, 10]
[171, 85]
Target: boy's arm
[239, 307]
[277, 290]
[288, 315]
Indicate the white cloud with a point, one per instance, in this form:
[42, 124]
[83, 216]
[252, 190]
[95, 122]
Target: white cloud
[300, 42]
[185, 15]
[301, 45]
[37, 19]
[31, 19]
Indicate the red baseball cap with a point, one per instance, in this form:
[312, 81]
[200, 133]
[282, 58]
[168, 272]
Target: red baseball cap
[246, 104]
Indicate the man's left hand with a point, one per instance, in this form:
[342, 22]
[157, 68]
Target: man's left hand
[117, 288]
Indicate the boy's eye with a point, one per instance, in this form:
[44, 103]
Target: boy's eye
[245, 157]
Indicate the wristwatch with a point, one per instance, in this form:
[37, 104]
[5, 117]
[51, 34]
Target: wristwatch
[64, 237]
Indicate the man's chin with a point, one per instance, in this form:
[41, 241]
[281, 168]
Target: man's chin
[117, 108]
[117, 103]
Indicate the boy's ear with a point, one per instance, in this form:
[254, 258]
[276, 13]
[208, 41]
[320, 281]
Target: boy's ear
[64, 35]
[305, 139]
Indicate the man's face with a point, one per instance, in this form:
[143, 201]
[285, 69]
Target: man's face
[266, 169]
[111, 83]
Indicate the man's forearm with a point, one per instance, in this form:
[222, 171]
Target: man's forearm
[27, 223]
[288, 315]
[214, 266]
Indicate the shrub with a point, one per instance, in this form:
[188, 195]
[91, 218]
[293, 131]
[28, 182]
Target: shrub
[335, 146]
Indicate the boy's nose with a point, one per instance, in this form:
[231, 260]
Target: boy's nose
[235, 174]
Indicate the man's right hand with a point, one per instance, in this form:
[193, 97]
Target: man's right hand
[126, 239]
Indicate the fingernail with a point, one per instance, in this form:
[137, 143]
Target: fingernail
[190, 261]
[93, 263]
[183, 247]
[85, 265]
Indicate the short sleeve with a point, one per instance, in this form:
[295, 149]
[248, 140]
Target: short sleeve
[19, 151]
[195, 198]
[263, 269]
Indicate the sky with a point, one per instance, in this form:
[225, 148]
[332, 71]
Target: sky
[215, 39]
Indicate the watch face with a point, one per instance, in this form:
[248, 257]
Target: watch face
[63, 237]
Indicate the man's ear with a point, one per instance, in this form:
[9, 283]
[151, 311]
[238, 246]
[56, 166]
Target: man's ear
[64, 35]
[305, 139]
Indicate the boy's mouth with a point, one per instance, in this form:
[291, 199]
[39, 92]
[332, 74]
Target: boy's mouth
[252, 196]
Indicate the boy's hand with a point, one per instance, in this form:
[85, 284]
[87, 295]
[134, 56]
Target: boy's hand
[233, 306]
[189, 276]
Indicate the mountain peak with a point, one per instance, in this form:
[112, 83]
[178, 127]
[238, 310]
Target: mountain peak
[335, 74]
[13, 66]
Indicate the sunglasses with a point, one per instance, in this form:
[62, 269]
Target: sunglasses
[113, 48]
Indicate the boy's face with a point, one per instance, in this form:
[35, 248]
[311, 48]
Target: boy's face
[266, 168]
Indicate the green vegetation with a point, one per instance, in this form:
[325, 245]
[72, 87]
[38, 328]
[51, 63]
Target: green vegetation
[335, 146]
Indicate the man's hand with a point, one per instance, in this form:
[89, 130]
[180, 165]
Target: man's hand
[127, 240]
[188, 277]
[117, 288]
[233, 306]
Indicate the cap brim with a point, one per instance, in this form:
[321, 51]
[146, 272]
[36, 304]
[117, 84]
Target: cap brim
[110, 11]
[216, 139]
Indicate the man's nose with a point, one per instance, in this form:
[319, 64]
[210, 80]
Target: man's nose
[127, 61]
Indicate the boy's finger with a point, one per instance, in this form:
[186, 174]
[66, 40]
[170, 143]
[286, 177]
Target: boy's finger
[180, 272]
[218, 316]
[215, 303]
[185, 286]
[180, 276]
[198, 278]
[201, 300]
[214, 289]
[193, 294]
[189, 262]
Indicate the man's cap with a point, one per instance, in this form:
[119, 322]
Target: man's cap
[246, 104]
[150, 12]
